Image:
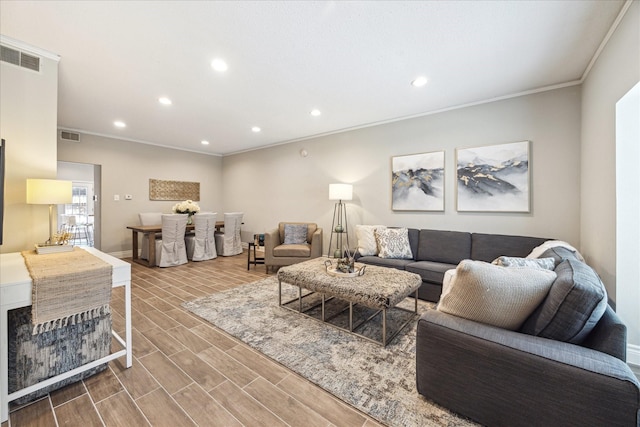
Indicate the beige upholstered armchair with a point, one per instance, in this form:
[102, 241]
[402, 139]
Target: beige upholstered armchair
[281, 249]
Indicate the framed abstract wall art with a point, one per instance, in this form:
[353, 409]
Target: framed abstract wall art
[493, 178]
[417, 182]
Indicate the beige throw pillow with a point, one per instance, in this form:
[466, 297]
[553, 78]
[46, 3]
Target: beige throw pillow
[366, 239]
[495, 295]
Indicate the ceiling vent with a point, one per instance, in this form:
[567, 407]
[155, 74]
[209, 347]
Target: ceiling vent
[21, 59]
[69, 136]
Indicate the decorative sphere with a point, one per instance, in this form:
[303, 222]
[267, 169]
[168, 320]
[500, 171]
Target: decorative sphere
[339, 228]
[337, 253]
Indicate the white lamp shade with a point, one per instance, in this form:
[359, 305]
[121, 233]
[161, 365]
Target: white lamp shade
[48, 192]
[340, 191]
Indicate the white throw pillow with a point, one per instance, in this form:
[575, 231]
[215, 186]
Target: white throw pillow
[537, 251]
[366, 239]
[393, 243]
[494, 295]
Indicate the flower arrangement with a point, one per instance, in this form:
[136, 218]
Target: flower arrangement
[187, 207]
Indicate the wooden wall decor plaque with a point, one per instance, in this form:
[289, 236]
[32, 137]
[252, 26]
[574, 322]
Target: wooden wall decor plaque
[160, 189]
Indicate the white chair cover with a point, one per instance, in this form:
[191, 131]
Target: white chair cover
[171, 250]
[202, 246]
[229, 243]
[148, 218]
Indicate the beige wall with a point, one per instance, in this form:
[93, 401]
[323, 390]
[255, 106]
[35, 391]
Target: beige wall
[277, 184]
[616, 71]
[127, 168]
[28, 120]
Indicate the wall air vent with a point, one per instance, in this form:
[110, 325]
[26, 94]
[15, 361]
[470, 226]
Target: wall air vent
[21, 59]
[69, 136]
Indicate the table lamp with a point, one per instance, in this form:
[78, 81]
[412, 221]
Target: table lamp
[49, 192]
[339, 192]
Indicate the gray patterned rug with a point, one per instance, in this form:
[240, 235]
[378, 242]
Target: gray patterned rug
[378, 381]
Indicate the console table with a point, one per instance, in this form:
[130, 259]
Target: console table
[15, 292]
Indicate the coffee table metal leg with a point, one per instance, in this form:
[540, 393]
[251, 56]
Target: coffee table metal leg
[384, 327]
[279, 292]
[323, 307]
[350, 317]
[300, 299]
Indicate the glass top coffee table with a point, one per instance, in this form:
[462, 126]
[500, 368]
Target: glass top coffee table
[379, 288]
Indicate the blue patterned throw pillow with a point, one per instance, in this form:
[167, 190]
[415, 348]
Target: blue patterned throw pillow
[295, 234]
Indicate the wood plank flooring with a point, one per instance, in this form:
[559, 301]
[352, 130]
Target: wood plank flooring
[185, 371]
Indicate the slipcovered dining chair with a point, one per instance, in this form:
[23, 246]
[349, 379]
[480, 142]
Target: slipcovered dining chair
[148, 218]
[202, 245]
[171, 249]
[229, 243]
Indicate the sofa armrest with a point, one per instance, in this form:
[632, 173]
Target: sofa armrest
[316, 243]
[609, 336]
[271, 240]
[502, 377]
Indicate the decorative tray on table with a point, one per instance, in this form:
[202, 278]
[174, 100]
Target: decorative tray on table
[343, 270]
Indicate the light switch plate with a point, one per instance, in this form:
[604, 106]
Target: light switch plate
[116, 197]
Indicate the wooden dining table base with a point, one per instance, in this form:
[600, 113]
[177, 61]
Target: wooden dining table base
[150, 231]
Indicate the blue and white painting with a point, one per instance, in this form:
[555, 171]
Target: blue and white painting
[417, 182]
[493, 178]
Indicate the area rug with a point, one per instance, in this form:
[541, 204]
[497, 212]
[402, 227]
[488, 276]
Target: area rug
[379, 381]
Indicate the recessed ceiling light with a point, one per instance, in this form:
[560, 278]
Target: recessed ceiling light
[315, 112]
[164, 100]
[419, 81]
[219, 65]
[204, 142]
[255, 129]
[119, 124]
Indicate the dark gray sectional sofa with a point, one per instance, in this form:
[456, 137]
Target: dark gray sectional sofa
[436, 251]
[564, 367]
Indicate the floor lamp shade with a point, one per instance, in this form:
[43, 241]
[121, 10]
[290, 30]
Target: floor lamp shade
[340, 191]
[49, 192]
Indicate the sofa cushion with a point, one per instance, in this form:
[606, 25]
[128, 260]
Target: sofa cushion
[494, 295]
[295, 234]
[576, 302]
[393, 243]
[449, 247]
[400, 264]
[430, 271]
[487, 247]
[539, 250]
[559, 254]
[509, 261]
[366, 239]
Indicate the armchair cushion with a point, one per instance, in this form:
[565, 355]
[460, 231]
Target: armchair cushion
[295, 234]
[311, 229]
[292, 250]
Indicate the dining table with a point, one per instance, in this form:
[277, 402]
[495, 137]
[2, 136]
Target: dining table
[151, 231]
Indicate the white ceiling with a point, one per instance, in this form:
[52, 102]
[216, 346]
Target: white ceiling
[352, 60]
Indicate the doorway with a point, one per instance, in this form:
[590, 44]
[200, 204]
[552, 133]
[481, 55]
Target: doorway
[81, 217]
[627, 214]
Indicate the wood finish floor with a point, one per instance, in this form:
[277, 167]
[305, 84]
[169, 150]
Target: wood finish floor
[185, 371]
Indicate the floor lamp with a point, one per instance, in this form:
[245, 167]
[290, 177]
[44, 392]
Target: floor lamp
[49, 192]
[339, 192]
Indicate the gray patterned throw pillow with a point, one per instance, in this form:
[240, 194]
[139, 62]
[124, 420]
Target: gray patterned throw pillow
[508, 261]
[295, 234]
[393, 243]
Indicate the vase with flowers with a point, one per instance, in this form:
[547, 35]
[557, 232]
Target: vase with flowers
[188, 207]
